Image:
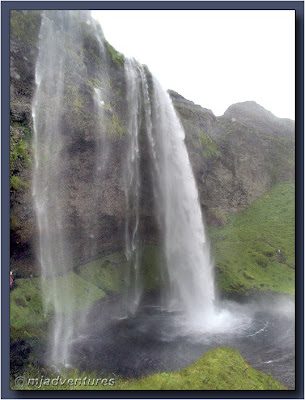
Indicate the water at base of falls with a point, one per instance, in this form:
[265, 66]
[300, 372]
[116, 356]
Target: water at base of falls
[153, 340]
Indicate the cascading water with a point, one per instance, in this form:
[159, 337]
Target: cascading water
[55, 109]
[60, 141]
[186, 248]
[191, 287]
[48, 191]
[132, 189]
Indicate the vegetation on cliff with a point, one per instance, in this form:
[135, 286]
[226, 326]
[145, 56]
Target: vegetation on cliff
[21, 156]
[117, 58]
[25, 25]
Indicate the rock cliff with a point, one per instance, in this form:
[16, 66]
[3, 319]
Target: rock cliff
[235, 158]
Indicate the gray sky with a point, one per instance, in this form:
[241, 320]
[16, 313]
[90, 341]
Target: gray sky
[214, 58]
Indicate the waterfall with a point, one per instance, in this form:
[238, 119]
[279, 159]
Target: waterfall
[74, 157]
[186, 248]
[48, 190]
[132, 188]
[188, 263]
[57, 174]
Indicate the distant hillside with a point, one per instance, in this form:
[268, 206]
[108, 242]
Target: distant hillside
[237, 157]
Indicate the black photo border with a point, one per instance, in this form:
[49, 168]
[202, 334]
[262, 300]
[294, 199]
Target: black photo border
[298, 6]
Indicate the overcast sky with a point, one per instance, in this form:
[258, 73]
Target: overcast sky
[214, 58]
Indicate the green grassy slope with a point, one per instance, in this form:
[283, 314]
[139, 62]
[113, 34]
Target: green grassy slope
[26, 309]
[107, 273]
[27, 317]
[222, 368]
[110, 272]
[255, 249]
[87, 284]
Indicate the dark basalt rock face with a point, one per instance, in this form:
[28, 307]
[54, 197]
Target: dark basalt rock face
[235, 158]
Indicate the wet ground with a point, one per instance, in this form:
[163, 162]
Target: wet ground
[154, 340]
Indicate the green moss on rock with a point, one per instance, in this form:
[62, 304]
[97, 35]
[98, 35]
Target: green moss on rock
[17, 183]
[21, 156]
[25, 25]
[117, 58]
[208, 145]
[115, 128]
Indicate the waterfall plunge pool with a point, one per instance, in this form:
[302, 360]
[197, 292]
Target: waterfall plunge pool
[153, 340]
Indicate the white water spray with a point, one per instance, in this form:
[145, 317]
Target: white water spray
[191, 286]
[132, 190]
[55, 259]
[187, 277]
[55, 109]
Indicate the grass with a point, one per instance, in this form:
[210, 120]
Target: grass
[109, 272]
[26, 309]
[27, 316]
[106, 273]
[255, 249]
[219, 369]
[75, 293]
[75, 290]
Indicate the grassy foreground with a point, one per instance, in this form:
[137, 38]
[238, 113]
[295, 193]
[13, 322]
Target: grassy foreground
[255, 249]
[219, 369]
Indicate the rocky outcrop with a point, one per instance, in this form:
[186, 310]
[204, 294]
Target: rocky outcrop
[25, 27]
[78, 128]
[235, 158]
[261, 120]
